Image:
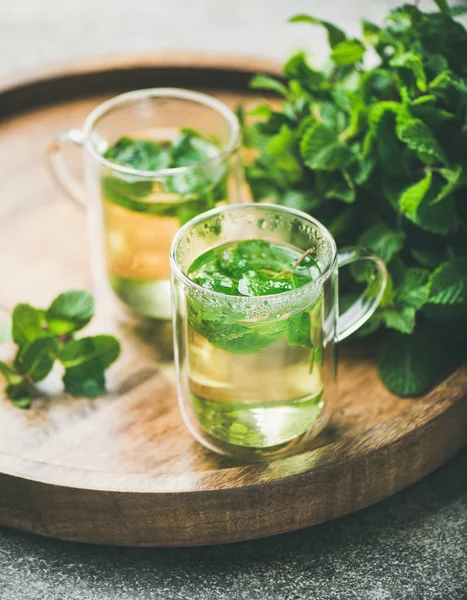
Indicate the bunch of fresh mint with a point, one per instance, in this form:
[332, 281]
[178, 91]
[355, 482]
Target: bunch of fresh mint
[44, 336]
[379, 155]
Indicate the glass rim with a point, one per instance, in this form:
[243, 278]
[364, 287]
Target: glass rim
[205, 99]
[178, 272]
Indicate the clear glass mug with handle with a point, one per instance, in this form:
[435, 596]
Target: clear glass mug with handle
[247, 387]
[134, 213]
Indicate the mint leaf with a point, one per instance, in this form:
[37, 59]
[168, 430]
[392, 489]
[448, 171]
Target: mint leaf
[400, 20]
[428, 258]
[335, 35]
[361, 172]
[142, 155]
[414, 63]
[415, 288]
[89, 356]
[412, 197]
[26, 324]
[20, 394]
[189, 149]
[298, 69]
[282, 147]
[390, 150]
[340, 186]
[371, 32]
[262, 110]
[442, 80]
[377, 111]
[402, 318]
[348, 52]
[231, 336]
[455, 177]
[9, 374]
[401, 308]
[299, 330]
[384, 241]
[35, 359]
[129, 194]
[449, 283]
[304, 200]
[421, 139]
[438, 218]
[443, 5]
[69, 312]
[265, 82]
[325, 113]
[321, 149]
[410, 365]
[84, 386]
[458, 11]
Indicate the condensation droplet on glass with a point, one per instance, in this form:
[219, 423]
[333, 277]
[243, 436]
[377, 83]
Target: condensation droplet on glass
[275, 223]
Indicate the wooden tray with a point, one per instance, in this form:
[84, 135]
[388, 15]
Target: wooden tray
[123, 469]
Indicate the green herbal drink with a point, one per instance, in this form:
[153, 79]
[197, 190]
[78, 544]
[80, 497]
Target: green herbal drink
[255, 382]
[141, 216]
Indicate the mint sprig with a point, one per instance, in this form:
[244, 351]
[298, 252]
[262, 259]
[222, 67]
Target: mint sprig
[379, 155]
[46, 336]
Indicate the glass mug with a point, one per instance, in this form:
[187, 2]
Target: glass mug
[134, 214]
[243, 390]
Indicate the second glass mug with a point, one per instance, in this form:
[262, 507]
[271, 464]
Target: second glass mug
[134, 214]
[243, 389]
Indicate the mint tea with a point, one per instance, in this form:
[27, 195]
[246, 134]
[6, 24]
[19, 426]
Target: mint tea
[153, 159]
[141, 217]
[254, 290]
[255, 383]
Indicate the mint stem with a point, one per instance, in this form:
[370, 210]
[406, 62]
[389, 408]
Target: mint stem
[285, 272]
[304, 255]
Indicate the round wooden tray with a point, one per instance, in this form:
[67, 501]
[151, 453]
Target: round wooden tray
[122, 469]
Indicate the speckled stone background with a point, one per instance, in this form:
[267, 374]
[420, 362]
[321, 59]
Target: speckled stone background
[410, 547]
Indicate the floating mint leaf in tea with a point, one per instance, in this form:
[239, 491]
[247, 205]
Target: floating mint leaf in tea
[143, 213]
[253, 268]
[144, 155]
[255, 380]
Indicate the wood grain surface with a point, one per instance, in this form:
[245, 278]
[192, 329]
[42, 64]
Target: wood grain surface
[122, 469]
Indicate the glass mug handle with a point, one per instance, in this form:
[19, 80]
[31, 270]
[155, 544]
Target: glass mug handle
[363, 308]
[73, 189]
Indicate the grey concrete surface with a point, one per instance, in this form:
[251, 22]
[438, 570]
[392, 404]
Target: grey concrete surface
[410, 547]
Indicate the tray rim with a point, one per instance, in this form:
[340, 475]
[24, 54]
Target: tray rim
[123, 63]
[126, 61]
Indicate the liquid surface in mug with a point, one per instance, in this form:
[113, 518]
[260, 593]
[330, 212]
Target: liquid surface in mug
[256, 381]
[142, 214]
